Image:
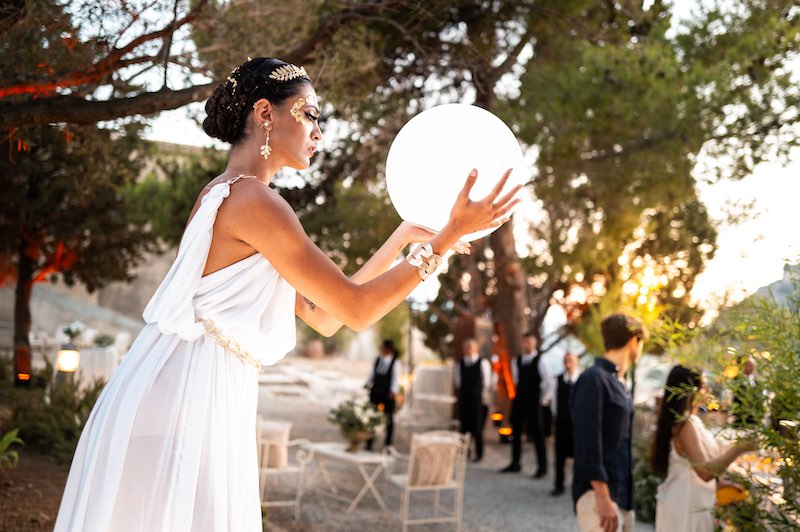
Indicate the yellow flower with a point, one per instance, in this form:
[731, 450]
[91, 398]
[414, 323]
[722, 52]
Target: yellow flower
[731, 372]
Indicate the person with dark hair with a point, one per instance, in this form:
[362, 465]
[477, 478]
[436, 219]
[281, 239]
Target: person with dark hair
[383, 386]
[532, 383]
[472, 378]
[602, 420]
[563, 418]
[691, 458]
[170, 444]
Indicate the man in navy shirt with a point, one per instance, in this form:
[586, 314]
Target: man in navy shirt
[602, 416]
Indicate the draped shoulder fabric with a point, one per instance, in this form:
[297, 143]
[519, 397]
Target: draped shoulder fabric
[685, 501]
[171, 443]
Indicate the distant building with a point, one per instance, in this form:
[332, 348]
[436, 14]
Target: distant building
[781, 290]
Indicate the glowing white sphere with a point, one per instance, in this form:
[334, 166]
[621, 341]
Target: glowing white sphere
[431, 156]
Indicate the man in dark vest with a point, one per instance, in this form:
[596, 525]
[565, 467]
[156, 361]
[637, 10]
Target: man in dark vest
[531, 379]
[563, 418]
[472, 378]
[383, 384]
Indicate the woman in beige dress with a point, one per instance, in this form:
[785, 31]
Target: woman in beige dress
[689, 455]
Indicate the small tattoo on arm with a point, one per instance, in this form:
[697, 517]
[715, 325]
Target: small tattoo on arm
[311, 304]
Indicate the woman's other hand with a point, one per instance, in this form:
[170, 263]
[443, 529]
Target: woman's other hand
[415, 234]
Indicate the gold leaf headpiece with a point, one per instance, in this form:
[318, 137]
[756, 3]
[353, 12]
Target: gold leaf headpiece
[287, 72]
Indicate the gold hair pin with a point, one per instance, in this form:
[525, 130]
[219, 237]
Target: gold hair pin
[287, 72]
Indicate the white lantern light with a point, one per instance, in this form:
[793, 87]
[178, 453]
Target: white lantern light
[68, 360]
[434, 152]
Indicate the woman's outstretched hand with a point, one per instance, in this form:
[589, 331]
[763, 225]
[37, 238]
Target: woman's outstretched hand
[468, 216]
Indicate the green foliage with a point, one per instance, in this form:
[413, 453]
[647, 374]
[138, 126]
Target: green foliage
[645, 483]
[356, 415]
[9, 457]
[63, 204]
[103, 340]
[164, 198]
[52, 422]
[50, 417]
[767, 331]
[351, 224]
[610, 117]
[394, 326]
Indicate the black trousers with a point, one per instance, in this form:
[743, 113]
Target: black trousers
[564, 450]
[472, 418]
[388, 411]
[527, 419]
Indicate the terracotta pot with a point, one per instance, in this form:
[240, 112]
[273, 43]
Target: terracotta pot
[355, 438]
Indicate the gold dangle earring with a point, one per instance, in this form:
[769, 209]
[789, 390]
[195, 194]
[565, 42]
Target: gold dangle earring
[265, 149]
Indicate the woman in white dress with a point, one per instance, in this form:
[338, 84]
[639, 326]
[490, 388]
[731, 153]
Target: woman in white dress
[170, 445]
[689, 455]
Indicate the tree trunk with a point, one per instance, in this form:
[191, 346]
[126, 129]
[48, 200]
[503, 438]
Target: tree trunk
[508, 307]
[22, 317]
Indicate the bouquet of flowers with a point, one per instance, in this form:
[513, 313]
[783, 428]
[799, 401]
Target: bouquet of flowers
[73, 330]
[357, 420]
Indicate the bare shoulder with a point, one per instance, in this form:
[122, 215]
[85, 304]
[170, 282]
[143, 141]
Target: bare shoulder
[250, 198]
[685, 435]
[256, 214]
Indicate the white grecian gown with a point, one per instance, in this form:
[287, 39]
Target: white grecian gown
[171, 443]
[685, 502]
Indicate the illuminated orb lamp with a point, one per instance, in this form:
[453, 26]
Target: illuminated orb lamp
[68, 359]
[431, 156]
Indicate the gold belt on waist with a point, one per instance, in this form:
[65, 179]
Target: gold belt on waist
[230, 345]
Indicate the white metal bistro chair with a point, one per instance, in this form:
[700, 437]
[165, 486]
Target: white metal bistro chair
[281, 464]
[437, 462]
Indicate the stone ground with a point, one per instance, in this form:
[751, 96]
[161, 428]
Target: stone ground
[301, 391]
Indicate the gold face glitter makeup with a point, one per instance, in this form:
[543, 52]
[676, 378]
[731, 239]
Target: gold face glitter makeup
[296, 110]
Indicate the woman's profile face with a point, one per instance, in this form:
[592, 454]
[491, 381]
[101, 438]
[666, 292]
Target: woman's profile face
[295, 133]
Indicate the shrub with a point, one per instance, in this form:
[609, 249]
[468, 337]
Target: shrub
[645, 482]
[9, 457]
[768, 331]
[50, 416]
[103, 340]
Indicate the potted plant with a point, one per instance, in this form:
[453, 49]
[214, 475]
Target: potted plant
[358, 420]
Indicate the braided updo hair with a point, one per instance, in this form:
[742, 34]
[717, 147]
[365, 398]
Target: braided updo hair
[232, 100]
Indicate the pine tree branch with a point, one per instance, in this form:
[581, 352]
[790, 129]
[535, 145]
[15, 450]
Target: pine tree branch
[102, 68]
[76, 110]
